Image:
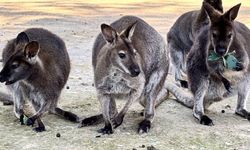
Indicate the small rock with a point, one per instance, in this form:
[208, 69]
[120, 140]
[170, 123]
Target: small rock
[98, 136]
[223, 111]
[84, 84]
[151, 148]
[143, 146]
[227, 106]
[134, 149]
[58, 135]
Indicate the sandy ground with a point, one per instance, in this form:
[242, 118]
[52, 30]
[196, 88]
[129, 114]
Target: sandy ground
[78, 24]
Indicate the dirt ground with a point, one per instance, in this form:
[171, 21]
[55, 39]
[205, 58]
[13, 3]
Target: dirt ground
[78, 24]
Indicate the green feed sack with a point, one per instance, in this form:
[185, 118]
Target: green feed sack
[229, 60]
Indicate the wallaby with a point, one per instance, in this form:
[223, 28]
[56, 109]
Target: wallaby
[181, 36]
[36, 67]
[223, 35]
[130, 62]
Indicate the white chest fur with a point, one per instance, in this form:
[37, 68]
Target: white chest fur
[119, 83]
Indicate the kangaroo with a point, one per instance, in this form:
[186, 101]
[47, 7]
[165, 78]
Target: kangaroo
[36, 67]
[181, 36]
[130, 62]
[224, 35]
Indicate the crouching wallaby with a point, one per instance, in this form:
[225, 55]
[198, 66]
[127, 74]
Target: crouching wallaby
[36, 67]
[181, 36]
[130, 62]
[225, 35]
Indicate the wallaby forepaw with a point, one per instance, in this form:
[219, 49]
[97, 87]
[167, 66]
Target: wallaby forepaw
[144, 126]
[243, 113]
[106, 130]
[205, 120]
[117, 121]
[239, 66]
[30, 122]
[39, 129]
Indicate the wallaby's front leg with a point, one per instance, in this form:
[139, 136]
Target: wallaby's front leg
[44, 106]
[118, 119]
[18, 103]
[153, 87]
[243, 92]
[109, 110]
[198, 109]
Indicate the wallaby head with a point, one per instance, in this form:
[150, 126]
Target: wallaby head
[123, 55]
[19, 65]
[217, 4]
[222, 28]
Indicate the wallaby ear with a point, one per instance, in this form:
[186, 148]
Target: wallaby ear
[31, 49]
[211, 12]
[232, 13]
[128, 33]
[108, 33]
[22, 38]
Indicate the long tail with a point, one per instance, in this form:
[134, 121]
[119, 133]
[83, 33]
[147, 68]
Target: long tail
[67, 115]
[93, 120]
[6, 99]
[182, 96]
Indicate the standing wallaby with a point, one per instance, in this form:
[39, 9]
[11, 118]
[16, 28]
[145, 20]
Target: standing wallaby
[181, 36]
[130, 62]
[223, 35]
[36, 67]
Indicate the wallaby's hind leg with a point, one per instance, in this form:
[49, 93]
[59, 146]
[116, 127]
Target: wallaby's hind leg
[177, 59]
[243, 93]
[109, 110]
[152, 90]
[198, 109]
[162, 96]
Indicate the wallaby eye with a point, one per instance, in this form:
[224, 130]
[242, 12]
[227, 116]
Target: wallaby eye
[15, 65]
[122, 55]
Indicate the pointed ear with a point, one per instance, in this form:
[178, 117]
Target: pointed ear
[216, 4]
[211, 12]
[108, 33]
[22, 38]
[31, 49]
[232, 13]
[129, 32]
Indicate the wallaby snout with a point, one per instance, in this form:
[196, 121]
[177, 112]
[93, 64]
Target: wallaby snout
[221, 51]
[134, 70]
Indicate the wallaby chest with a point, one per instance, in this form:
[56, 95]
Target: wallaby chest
[117, 82]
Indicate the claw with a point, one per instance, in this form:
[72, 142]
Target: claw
[144, 126]
[205, 120]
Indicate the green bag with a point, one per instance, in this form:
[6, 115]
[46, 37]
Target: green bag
[229, 60]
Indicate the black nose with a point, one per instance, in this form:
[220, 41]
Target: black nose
[221, 51]
[135, 71]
